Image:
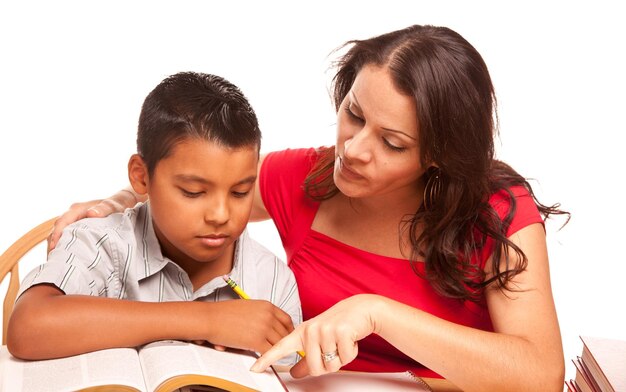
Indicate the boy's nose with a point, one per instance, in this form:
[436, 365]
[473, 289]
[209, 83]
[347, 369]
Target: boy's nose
[216, 212]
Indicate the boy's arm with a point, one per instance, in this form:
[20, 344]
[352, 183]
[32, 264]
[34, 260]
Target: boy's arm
[46, 323]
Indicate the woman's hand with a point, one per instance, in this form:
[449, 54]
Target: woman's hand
[126, 198]
[329, 340]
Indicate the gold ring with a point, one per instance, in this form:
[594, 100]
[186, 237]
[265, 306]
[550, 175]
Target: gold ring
[327, 357]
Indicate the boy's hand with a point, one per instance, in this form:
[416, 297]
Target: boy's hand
[250, 324]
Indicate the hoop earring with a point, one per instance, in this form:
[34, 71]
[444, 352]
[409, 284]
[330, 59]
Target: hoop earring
[432, 190]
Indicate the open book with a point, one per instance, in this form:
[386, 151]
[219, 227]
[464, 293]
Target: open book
[163, 366]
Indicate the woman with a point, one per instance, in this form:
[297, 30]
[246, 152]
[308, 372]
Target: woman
[408, 236]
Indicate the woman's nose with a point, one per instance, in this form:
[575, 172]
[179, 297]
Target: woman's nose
[359, 146]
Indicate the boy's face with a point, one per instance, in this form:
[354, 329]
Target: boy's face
[201, 196]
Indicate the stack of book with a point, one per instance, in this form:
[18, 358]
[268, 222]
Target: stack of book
[601, 367]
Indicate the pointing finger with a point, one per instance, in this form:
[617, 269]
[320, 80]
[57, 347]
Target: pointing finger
[289, 344]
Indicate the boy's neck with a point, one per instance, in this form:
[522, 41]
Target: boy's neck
[202, 272]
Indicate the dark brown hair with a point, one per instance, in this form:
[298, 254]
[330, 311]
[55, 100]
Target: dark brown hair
[456, 109]
[194, 105]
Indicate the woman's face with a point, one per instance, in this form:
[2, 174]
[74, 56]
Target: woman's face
[377, 152]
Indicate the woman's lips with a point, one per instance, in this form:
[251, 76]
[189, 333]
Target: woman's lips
[348, 172]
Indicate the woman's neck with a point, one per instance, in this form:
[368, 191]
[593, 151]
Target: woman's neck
[393, 204]
[372, 224]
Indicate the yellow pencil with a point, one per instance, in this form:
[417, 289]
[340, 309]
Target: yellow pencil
[242, 294]
[233, 285]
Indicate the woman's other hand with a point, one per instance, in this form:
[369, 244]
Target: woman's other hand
[100, 208]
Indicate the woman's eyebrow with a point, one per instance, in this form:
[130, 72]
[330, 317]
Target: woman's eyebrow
[356, 101]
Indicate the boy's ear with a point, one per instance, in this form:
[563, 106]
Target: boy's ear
[138, 174]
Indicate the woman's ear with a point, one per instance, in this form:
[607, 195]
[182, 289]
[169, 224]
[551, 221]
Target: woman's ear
[138, 174]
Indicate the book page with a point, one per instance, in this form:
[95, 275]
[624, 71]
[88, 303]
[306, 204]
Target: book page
[163, 360]
[106, 367]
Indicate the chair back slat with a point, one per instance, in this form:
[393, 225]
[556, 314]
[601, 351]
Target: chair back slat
[9, 263]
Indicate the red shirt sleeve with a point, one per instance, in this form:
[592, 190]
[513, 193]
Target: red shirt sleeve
[526, 212]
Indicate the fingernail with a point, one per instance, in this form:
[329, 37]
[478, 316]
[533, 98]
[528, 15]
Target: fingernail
[94, 209]
[255, 368]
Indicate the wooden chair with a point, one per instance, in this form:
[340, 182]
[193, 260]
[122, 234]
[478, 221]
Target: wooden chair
[9, 264]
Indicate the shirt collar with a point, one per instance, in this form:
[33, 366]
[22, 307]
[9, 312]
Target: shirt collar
[151, 259]
[236, 273]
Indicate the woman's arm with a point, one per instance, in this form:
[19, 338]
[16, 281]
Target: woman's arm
[259, 212]
[524, 353]
[46, 323]
[123, 199]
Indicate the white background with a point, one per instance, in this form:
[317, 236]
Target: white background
[73, 76]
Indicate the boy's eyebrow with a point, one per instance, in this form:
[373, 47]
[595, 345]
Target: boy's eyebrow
[202, 180]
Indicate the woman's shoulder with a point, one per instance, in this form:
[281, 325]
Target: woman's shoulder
[289, 166]
[505, 195]
[518, 201]
[292, 156]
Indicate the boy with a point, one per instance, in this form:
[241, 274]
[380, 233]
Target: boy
[155, 271]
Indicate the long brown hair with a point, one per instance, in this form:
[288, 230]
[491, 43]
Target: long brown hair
[456, 108]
